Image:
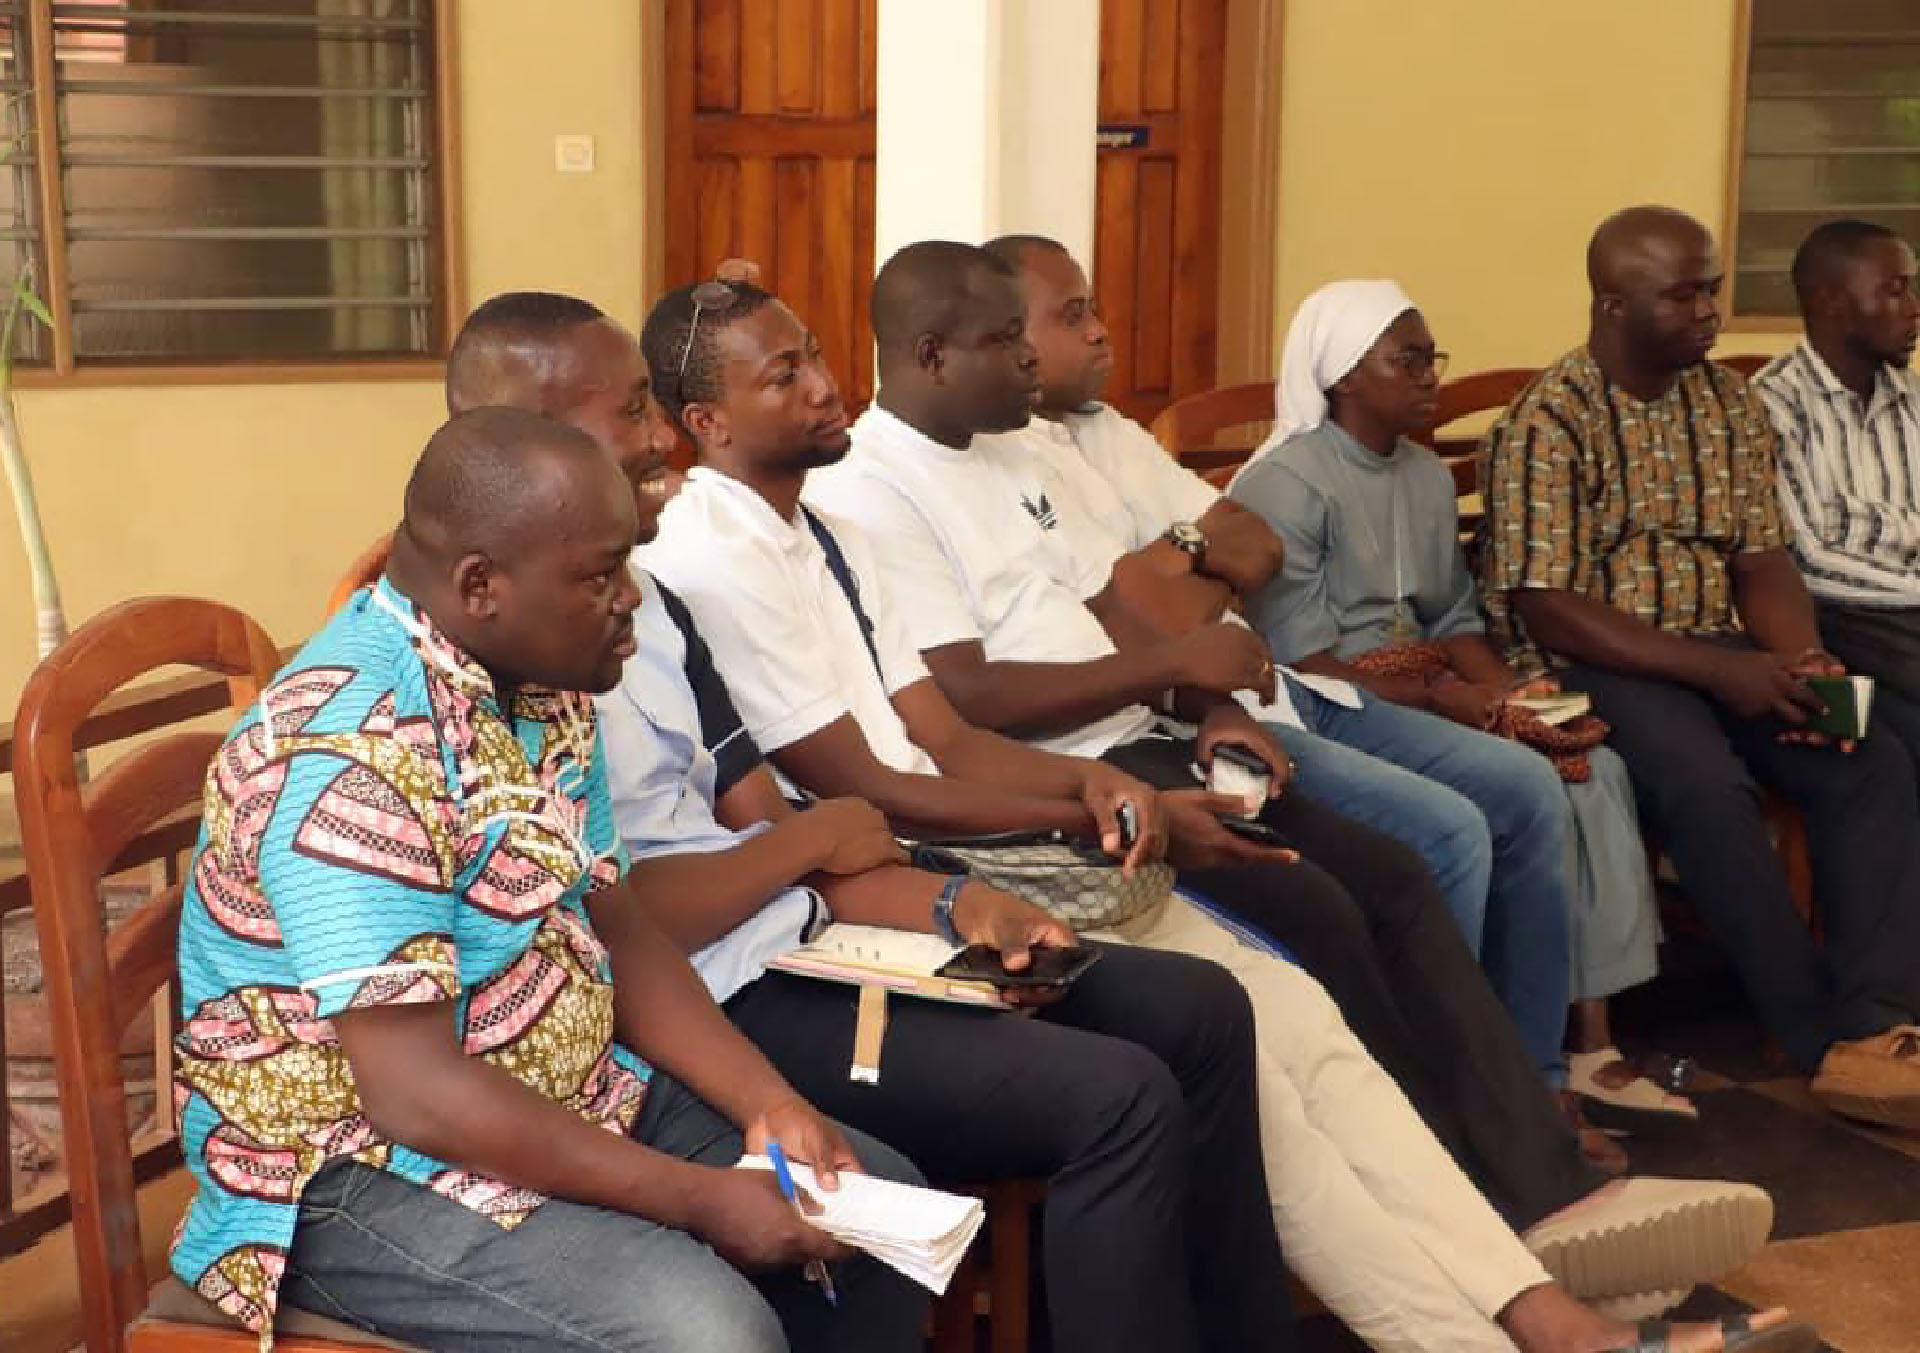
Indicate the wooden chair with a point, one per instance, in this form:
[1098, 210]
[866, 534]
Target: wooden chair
[97, 982]
[1746, 363]
[365, 570]
[1190, 428]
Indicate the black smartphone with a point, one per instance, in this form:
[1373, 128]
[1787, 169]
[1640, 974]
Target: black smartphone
[1253, 829]
[1129, 824]
[1050, 965]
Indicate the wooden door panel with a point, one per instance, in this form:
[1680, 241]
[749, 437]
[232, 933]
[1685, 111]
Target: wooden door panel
[770, 136]
[1157, 234]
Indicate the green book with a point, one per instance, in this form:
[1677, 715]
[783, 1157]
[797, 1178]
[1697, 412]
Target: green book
[1848, 698]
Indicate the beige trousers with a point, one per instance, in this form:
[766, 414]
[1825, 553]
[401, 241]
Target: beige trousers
[1371, 1211]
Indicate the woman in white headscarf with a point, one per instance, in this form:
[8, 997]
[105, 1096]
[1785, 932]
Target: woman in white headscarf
[1376, 589]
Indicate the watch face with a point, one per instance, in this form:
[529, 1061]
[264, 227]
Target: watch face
[1187, 537]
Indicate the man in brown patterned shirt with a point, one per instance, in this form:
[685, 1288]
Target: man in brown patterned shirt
[1634, 541]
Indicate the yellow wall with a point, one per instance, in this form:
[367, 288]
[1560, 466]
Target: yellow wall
[1467, 148]
[260, 495]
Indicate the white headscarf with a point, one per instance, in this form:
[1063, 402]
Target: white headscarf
[1330, 333]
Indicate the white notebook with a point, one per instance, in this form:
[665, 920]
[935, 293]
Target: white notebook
[919, 1232]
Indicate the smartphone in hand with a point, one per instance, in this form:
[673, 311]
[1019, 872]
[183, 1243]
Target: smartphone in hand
[1240, 773]
[1050, 965]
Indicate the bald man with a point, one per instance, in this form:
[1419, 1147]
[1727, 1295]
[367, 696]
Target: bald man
[1634, 543]
[440, 1076]
[562, 358]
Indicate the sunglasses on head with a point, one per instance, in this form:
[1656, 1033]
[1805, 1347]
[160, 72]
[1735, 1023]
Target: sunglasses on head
[714, 295]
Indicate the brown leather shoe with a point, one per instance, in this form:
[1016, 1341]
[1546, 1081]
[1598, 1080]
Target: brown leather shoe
[1874, 1079]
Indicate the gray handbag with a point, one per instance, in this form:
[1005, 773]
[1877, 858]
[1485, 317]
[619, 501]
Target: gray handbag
[1076, 884]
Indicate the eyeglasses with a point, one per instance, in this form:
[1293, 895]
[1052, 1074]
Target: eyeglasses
[712, 295]
[1417, 362]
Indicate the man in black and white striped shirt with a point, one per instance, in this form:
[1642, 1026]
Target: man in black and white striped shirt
[1847, 410]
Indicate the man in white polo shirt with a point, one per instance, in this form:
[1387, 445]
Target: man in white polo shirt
[802, 625]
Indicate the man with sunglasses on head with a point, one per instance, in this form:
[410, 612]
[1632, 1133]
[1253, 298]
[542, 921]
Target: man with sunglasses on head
[1139, 1114]
[803, 623]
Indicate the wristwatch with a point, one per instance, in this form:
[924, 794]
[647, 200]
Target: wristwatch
[943, 908]
[1189, 539]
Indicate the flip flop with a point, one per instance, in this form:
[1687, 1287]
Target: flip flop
[1737, 1335]
[1639, 1100]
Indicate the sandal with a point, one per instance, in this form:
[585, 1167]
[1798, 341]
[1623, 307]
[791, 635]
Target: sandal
[1737, 1335]
[1601, 1151]
[1639, 1102]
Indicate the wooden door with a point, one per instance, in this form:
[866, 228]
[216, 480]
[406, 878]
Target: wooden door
[770, 134]
[1156, 256]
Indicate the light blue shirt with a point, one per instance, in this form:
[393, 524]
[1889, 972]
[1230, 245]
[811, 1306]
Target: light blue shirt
[674, 745]
[1362, 532]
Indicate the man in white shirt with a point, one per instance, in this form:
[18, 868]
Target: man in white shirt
[1846, 406]
[805, 628]
[1488, 817]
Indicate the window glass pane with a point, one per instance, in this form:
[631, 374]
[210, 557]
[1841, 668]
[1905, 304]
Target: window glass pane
[230, 163]
[1832, 129]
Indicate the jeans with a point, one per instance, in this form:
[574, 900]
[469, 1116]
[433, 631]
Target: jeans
[1133, 1097]
[1492, 822]
[1697, 769]
[389, 1256]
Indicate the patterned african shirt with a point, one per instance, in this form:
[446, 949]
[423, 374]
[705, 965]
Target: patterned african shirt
[378, 832]
[1635, 503]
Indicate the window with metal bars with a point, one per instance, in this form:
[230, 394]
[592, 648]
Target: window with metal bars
[1828, 126]
[226, 181]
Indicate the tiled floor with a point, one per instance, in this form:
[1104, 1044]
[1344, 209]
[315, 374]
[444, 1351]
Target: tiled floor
[1846, 1248]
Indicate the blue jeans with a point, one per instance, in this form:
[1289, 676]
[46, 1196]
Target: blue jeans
[377, 1251]
[1492, 822]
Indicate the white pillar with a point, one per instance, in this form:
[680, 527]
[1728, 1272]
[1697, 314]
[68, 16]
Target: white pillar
[986, 120]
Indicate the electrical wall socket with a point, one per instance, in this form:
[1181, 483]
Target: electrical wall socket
[573, 154]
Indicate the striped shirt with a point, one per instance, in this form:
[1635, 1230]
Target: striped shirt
[1849, 477]
[1635, 503]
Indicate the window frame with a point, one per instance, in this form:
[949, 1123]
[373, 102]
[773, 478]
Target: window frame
[1735, 321]
[448, 255]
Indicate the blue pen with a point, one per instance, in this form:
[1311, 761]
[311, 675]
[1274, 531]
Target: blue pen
[816, 1271]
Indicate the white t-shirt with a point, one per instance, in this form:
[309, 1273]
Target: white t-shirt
[1114, 490]
[973, 551]
[782, 631]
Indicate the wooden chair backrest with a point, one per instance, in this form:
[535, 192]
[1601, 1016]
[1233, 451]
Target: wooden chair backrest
[98, 983]
[1190, 428]
[364, 571]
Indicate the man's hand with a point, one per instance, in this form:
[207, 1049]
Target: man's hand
[742, 1214]
[1753, 684]
[1228, 723]
[1466, 702]
[1198, 841]
[805, 1134]
[852, 836]
[1224, 658]
[1011, 927]
[1103, 789]
[1242, 550]
[1814, 662]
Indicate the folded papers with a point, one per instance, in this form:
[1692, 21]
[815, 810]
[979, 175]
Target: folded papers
[922, 1233]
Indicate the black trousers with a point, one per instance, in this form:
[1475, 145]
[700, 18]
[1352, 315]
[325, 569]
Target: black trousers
[1697, 771]
[1365, 918]
[1133, 1097]
[1885, 645]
